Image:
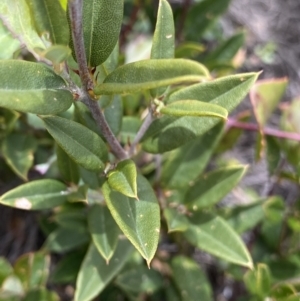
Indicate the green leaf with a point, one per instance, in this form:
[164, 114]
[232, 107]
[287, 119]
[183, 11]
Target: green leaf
[194, 108]
[149, 74]
[130, 126]
[226, 92]
[102, 21]
[212, 187]
[36, 195]
[41, 294]
[82, 145]
[95, 273]
[43, 92]
[18, 150]
[64, 239]
[65, 272]
[67, 167]
[190, 280]
[8, 45]
[123, 178]
[11, 288]
[213, 235]
[130, 280]
[163, 43]
[176, 221]
[258, 281]
[104, 230]
[5, 269]
[49, 17]
[185, 164]
[16, 16]
[33, 269]
[243, 218]
[188, 50]
[113, 114]
[57, 54]
[202, 16]
[139, 220]
[265, 96]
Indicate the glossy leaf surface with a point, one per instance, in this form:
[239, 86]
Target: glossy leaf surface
[139, 220]
[123, 178]
[212, 187]
[82, 145]
[104, 230]
[95, 273]
[43, 92]
[36, 195]
[194, 108]
[149, 74]
[213, 235]
[102, 21]
[190, 280]
[18, 152]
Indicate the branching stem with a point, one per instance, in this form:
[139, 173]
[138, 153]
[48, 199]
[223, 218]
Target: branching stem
[75, 9]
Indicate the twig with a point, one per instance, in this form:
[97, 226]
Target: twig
[75, 8]
[141, 132]
[267, 131]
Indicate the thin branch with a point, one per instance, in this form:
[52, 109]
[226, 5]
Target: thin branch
[267, 131]
[141, 132]
[75, 8]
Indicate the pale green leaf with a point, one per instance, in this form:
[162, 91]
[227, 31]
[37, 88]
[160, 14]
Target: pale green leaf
[8, 44]
[12, 289]
[57, 54]
[149, 74]
[227, 91]
[191, 281]
[33, 269]
[82, 145]
[43, 92]
[212, 187]
[102, 21]
[5, 269]
[213, 235]
[130, 126]
[194, 108]
[265, 96]
[49, 17]
[184, 165]
[16, 17]
[18, 150]
[67, 167]
[139, 220]
[36, 195]
[188, 50]
[104, 230]
[95, 273]
[176, 221]
[123, 178]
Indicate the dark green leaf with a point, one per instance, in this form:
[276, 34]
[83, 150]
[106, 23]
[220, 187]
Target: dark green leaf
[176, 221]
[67, 167]
[102, 21]
[43, 92]
[104, 230]
[185, 164]
[5, 269]
[190, 280]
[214, 235]
[149, 74]
[82, 145]
[36, 195]
[114, 113]
[212, 187]
[138, 219]
[33, 269]
[41, 294]
[49, 17]
[123, 178]
[18, 153]
[95, 273]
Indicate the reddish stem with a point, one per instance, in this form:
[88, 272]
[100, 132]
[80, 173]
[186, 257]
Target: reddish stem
[267, 131]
